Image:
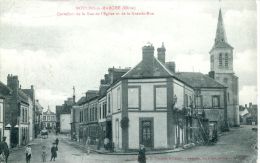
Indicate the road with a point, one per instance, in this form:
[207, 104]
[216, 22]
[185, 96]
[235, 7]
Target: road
[235, 146]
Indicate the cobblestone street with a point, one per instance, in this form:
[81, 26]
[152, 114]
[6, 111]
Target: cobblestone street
[234, 146]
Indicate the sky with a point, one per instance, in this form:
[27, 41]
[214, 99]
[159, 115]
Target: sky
[55, 52]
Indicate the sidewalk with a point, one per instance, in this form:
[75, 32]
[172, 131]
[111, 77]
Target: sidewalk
[105, 152]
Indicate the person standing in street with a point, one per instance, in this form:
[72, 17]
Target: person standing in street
[4, 149]
[28, 153]
[88, 145]
[57, 142]
[44, 153]
[53, 152]
[141, 154]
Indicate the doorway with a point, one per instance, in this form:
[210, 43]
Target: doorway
[146, 132]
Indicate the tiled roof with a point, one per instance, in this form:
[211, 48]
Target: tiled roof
[22, 96]
[141, 70]
[198, 80]
[4, 89]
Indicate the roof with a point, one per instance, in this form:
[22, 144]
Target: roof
[4, 89]
[23, 96]
[81, 100]
[198, 80]
[157, 69]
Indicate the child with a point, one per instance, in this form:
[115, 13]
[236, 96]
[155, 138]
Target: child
[53, 152]
[28, 153]
[44, 153]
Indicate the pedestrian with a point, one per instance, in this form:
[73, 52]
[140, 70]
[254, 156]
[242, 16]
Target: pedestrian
[4, 149]
[141, 154]
[28, 153]
[53, 152]
[57, 142]
[44, 153]
[106, 143]
[88, 145]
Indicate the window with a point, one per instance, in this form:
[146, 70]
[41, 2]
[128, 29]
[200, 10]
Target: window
[118, 98]
[133, 98]
[212, 58]
[161, 97]
[225, 80]
[100, 111]
[108, 103]
[226, 60]
[44, 118]
[48, 118]
[199, 101]
[220, 59]
[104, 110]
[1, 109]
[215, 101]
[186, 100]
[95, 113]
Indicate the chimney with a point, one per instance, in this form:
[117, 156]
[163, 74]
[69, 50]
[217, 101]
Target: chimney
[171, 66]
[161, 53]
[13, 82]
[212, 74]
[148, 56]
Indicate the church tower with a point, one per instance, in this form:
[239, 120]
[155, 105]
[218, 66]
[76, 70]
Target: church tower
[221, 65]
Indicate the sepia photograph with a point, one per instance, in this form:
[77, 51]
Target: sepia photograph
[136, 81]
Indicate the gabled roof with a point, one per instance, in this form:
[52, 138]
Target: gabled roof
[22, 96]
[141, 70]
[198, 80]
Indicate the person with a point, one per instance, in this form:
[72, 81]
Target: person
[44, 153]
[4, 149]
[141, 154]
[88, 145]
[28, 153]
[57, 142]
[53, 152]
[106, 143]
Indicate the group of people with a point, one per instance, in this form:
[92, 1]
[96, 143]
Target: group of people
[54, 149]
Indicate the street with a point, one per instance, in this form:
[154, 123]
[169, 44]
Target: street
[235, 146]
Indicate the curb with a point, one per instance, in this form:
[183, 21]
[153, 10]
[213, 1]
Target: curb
[131, 153]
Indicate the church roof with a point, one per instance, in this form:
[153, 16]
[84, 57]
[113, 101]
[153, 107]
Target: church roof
[198, 80]
[221, 38]
[142, 71]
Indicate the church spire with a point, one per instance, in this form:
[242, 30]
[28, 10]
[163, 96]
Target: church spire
[220, 33]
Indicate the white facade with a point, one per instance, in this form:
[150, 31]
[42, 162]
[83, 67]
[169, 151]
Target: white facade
[65, 123]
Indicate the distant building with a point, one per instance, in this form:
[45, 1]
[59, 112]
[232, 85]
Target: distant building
[248, 114]
[49, 120]
[63, 115]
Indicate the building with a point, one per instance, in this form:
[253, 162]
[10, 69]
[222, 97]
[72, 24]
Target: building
[49, 120]
[17, 111]
[151, 104]
[4, 93]
[37, 118]
[63, 114]
[248, 114]
[221, 66]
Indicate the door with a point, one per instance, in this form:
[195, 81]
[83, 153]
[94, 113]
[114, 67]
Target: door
[146, 133]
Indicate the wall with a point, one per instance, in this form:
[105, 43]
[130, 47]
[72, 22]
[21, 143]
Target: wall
[65, 123]
[117, 131]
[160, 128]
